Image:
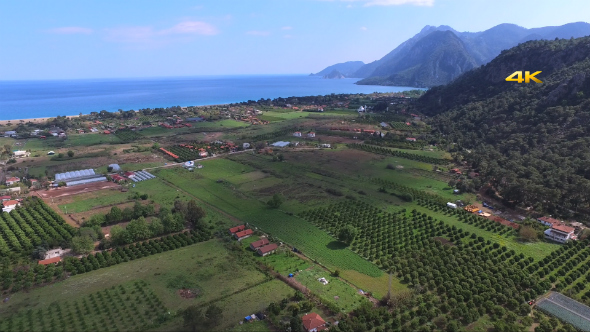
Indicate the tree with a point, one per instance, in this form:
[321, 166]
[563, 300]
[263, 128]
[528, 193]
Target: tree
[347, 234]
[119, 235]
[527, 233]
[138, 229]
[70, 153]
[115, 215]
[193, 319]
[60, 155]
[194, 213]
[179, 207]
[276, 201]
[173, 222]
[82, 244]
[213, 316]
[157, 227]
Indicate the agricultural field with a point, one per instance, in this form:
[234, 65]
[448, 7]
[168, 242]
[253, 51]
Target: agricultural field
[160, 276]
[24, 228]
[127, 136]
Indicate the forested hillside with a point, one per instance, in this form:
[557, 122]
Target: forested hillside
[531, 142]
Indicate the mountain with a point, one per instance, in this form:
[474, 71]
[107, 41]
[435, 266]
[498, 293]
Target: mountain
[345, 68]
[482, 47]
[529, 142]
[434, 60]
[334, 74]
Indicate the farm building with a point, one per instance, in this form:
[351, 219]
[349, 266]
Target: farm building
[117, 178]
[115, 167]
[243, 234]
[313, 322]
[50, 153]
[297, 134]
[267, 249]
[141, 176]
[452, 205]
[21, 154]
[257, 244]
[5, 198]
[129, 174]
[10, 133]
[280, 144]
[75, 178]
[246, 146]
[325, 145]
[560, 233]
[196, 119]
[236, 229]
[411, 139]
[53, 260]
[311, 134]
[566, 309]
[12, 180]
[10, 205]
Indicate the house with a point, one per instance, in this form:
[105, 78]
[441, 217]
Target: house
[456, 171]
[267, 249]
[236, 229]
[326, 145]
[107, 132]
[384, 125]
[35, 183]
[297, 134]
[560, 233]
[203, 154]
[21, 154]
[196, 119]
[257, 244]
[411, 139]
[5, 198]
[12, 180]
[129, 174]
[243, 234]
[246, 146]
[313, 322]
[311, 134]
[548, 221]
[53, 260]
[10, 205]
[50, 153]
[53, 253]
[10, 133]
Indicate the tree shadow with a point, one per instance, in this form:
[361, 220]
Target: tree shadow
[336, 245]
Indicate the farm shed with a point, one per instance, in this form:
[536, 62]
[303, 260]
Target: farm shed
[263, 251]
[53, 260]
[452, 205]
[115, 167]
[243, 234]
[280, 144]
[257, 244]
[236, 229]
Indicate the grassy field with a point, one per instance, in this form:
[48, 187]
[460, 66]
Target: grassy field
[85, 202]
[336, 291]
[195, 267]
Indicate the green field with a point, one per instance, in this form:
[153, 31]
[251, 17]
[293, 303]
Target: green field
[196, 267]
[337, 291]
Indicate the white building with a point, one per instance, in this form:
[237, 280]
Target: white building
[246, 146]
[21, 154]
[10, 205]
[560, 233]
[311, 134]
[10, 133]
[452, 205]
[548, 221]
[297, 134]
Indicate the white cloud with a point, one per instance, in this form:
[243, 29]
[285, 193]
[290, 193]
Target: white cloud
[191, 27]
[364, 28]
[130, 34]
[71, 30]
[287, 28]
[287, 36]
[258, 33]
[368, 3]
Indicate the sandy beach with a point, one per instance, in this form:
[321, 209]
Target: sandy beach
[33, 120]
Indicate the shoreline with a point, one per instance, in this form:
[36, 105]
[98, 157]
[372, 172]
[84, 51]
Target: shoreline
[34, 120]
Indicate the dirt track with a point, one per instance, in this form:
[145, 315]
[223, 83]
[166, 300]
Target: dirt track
[68, 191]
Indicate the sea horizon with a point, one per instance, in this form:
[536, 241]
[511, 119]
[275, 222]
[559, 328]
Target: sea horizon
[34, 99]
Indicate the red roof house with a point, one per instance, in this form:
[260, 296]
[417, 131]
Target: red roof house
[5, 198]
[236, 229]
[267, 249]
[313, 322]
[117, 178]
[257, 244]
[548, 221]
[53, 260]
[12, 180]
[243, 234]
[411, 139]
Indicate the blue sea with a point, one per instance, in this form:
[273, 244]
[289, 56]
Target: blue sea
[36, 99]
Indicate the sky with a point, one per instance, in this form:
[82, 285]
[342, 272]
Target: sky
[70, 39]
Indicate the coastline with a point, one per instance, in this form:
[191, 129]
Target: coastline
[34, 120]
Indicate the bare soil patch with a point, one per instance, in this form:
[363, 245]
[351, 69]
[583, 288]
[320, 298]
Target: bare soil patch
[188, 293]
[444, 241]
[76, 190]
